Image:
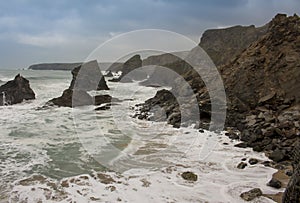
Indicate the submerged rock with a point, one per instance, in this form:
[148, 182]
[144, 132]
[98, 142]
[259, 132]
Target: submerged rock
[190, 176]
[251, 194]
[15, 91]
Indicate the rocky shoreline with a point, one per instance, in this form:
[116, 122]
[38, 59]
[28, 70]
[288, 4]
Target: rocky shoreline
[261, 79]
[262, 90]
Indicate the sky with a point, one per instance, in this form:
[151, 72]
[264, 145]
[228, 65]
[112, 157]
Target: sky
[38, 31]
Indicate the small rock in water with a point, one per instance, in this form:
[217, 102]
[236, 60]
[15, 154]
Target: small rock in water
[189, 176]
[251, 194]
[241, 165]
[253, 161]
[274, 183]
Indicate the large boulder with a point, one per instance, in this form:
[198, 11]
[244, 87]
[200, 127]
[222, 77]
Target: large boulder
[223, 45]
[15, 91]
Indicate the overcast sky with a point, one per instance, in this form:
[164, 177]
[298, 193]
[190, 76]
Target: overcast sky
[36, 31]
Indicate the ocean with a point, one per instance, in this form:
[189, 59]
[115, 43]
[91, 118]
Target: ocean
[59, 154]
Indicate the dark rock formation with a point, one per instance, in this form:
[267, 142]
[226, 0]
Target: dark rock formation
[86, 77]
[274, 183]
[15, 91]
[72, 98]
[253, 161]
[130, 65]
[102, 99]
[263, 90]
[251, 194]
[167, 103]
[190, 176]
[262, 87]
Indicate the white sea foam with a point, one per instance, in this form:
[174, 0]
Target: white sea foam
[150, 156]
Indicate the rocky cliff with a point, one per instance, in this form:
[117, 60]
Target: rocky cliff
[262, 86]
[223, 45]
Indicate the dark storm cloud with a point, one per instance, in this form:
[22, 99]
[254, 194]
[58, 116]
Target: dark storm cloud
[38, 31]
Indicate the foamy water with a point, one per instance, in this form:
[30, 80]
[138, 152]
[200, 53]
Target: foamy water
[64, 155]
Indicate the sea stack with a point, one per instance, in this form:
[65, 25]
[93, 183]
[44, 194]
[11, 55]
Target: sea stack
[86, 77]
[15, 91]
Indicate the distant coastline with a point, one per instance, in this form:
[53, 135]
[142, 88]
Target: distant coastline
[67, 66]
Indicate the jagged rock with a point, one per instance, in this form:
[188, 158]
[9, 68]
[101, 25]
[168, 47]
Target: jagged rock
[86, 77]
[274, 183]
[72, 98]
[102, 99]
[251, 194]
[261, 83]
[130, 65]
[15, 91]
[223, 45]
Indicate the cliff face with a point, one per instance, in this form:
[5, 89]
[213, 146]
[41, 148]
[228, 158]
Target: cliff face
[269, 68]
[223, 45]
[262, 89]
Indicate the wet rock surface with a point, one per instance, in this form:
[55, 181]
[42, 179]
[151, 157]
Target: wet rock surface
[15, 91]
[130, 65]
[86, 77]
[190, 176]
[262, 90]
[251, 194]
[274, 183]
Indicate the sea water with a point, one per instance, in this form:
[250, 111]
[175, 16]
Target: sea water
[59, 154]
